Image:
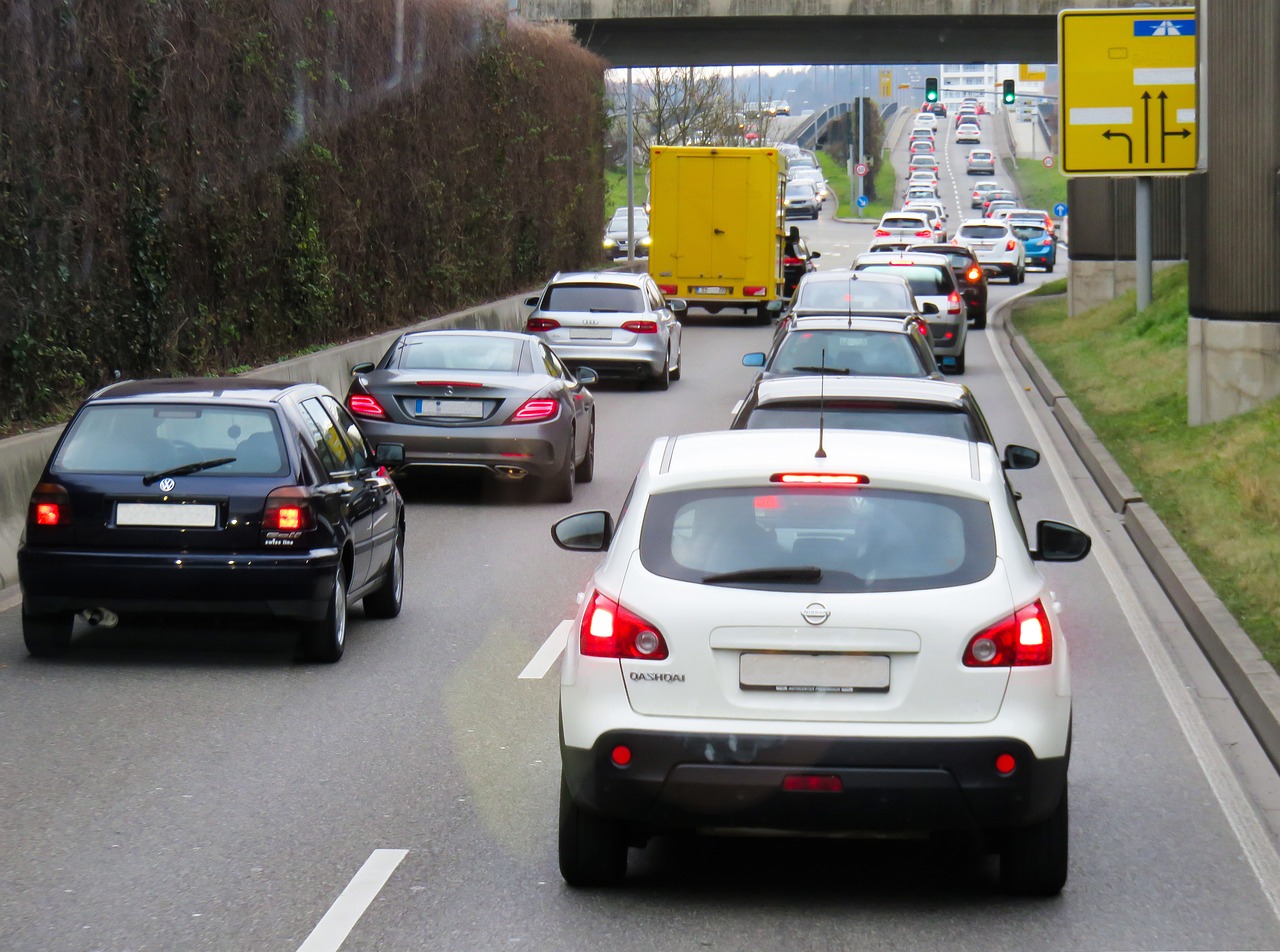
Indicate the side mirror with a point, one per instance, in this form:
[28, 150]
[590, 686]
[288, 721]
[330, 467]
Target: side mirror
[1020, 457]
[1059, 542]
[584, 531]
[929, 308]
[678, 305]
[532, 301]
[815, 254]
[389, 455]
[774, 307]
[586, 375]
[362, 368]
[794, 233]
[753, 360]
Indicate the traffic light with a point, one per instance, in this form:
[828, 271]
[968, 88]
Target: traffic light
[1008, 96]
[931, 89]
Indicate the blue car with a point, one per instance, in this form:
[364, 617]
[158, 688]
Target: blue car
[1042, 247]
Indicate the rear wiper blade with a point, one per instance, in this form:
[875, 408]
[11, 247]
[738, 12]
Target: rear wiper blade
[781, 573]
[824, 370]
[187, 470]
[604, 310]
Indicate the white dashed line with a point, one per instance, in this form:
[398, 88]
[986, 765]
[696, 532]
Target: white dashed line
[546, 656]
[331, 931]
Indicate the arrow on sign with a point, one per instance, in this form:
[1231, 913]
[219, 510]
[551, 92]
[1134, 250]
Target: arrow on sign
[1146, 129]
[1109, 135]
[1182, 133]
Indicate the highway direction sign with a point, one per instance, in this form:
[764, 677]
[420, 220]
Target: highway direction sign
[1128, 91]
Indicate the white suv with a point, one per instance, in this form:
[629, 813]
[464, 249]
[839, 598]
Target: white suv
[849, 641]
[999, 250]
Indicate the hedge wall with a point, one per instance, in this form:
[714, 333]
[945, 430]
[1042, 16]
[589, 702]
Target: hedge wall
[198, 186]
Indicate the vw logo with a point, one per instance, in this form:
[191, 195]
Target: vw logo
[166, 485]
[815, 613]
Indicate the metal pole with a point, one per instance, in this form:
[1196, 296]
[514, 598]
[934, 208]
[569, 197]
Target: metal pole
[760, 110]
[1142, 246]
[862, 112]
[631, 177]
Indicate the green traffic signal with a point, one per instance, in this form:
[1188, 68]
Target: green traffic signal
[931, 89]
[1009, 95]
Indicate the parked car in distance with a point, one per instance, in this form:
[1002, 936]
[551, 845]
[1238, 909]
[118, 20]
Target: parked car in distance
[999, 250]
[980, 162]
[970, 276]
[856, 641]
[210, 497]
[932, 283]
[490, 401]
[621, 325]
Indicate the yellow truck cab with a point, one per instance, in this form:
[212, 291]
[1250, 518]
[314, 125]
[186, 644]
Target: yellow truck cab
[716, 226]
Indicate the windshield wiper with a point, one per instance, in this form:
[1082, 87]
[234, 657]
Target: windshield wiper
[781, 573]
[187, 470]
[824, 370]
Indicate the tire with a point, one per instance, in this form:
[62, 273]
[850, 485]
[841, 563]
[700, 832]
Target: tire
[1033, 860]
[559, 488]
[47, 636]
[679, 367]
[958, 366]
[1051, 265]
[593, 849]
[763, 314]
[980, 321]
[586, 470]
[324, 640]
[663, 380]
[386, 601]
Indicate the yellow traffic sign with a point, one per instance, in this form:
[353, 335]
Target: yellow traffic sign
[886, 83]
[1127, 103]
[1032, 72]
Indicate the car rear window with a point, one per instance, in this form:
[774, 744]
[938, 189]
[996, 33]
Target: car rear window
[852, 296]
[863, 415]
[598, 298]
[851, 351]
[981, 231]
[903, 223]
[800, 189]
[923, 278]
[861, 539]
[150, 438]
[1025, 231]
[980, 155]
[466, 352]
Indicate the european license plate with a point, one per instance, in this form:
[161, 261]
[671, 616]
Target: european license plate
[473, 409]
[179, 515]
[590, 333]
[710, 289]
[758, 671]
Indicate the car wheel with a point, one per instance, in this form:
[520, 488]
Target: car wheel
[324, 640]
[980, 321]
[385, 602]
[958, 366]
[1050, 266]
[1033, 860]
[585, 470]
[559, 488]
[663, 380]
[1022, 274]
[47, 636]
[679, 367]
[593, 849]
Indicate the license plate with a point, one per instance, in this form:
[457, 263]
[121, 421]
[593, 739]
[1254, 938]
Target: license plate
[710, 289]
[180, 515]
[590, 333]
[982, 246]
[451, 408]
[846, 673]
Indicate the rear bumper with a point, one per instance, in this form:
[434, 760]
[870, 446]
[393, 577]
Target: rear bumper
[536, 449]
[643, 358]
[903, 785]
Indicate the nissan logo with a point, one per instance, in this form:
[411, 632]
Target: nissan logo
[166, 485]
[815, 613]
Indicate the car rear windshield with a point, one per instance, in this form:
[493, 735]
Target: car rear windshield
[596, 298]
[466, 352]
[903, 224]
[923, 278]
[853, 297]
[800, 190]
[862, 415]
[981, 231]
[926, 161]
[1025, 231]
[859, 539]
[151, 438]
[852, 351]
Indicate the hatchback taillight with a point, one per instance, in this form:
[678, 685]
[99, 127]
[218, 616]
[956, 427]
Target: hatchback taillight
[50, 506]
[882, 233]
[288, 509]
[362, 404]
[953, 302]
[535, 324]
[974, 273]
[926, 233]
[611, 631]
[1009, 245]
[1024, 638]
[535, 410]
[641, 327]
[792, 262]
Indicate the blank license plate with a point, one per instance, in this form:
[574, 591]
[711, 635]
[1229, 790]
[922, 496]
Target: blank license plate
[451, 408]
[188, 515]
[590, 333]
[813, 672]
[712, 290]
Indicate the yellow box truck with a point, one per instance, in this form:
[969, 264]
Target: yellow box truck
[716, 226]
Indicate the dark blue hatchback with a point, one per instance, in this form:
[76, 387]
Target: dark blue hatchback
[212, 496]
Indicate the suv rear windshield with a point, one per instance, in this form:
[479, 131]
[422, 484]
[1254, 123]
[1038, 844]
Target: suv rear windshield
[923, 278]
[1025, 230]
[854, 297]
[598, 298]
[858, 539]
[981, 231]
[884, 353]
[150, 438]
[860, 415]
[904, 224]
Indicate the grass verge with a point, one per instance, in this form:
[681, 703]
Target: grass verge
[1211, 485]
[615, 189]
[838, 178]
[1038, 186]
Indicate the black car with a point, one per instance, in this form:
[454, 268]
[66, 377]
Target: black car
[970, 278]
[797, 261]
[211, 496]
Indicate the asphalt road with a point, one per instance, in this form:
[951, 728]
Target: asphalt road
[167, 788]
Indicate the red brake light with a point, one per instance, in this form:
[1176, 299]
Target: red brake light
[812, 783]
[50, 506]
[1008, 245]
[535, 324]
[882, 233]
[953, 302]
[819, 479]
[611, 631]
[641, 327]
[1024, 638]
[535, 409]
[926, 233]
[361, 404]
[792, 261]
[288, 509]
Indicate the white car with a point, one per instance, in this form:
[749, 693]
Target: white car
[899, 229]
[839, 632]
[968, 132]
[926, 120]
[999, 250]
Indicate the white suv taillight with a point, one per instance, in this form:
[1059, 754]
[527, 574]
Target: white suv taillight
[1024, 638]
[611, 631]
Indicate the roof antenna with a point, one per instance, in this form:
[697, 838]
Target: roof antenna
[822, 403]
[848, 300]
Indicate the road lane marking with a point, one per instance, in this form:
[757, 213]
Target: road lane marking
[1254, 841]
[331, 931]
[546, 656]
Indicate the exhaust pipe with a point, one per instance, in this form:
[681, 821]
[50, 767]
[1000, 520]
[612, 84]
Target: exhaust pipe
[511, 472]
[100, 617]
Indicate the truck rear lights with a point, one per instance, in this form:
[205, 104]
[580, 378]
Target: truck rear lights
[1022, 639]
[669, 289]
[641, 327]
[812, 783]
[364, 405]
[50, 506]
[535, 324]
[288, 509]
[611, 631]
[755, 291]
[535, 410]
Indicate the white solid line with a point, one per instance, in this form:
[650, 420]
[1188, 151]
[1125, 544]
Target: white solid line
[331, 931]
[1171, 76]
[1240, 815]
[546, 656]
[1101, 116]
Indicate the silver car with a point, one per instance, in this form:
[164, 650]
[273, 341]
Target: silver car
[619, 324]
[932, 282]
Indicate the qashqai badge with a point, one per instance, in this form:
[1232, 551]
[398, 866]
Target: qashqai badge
[166, 485]
[815, 613]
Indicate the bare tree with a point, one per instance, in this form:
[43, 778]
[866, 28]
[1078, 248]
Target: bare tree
[685, 106]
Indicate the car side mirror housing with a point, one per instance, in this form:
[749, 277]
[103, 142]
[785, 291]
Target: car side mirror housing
[389, 455]
[753, 360]
[678, 305]
[1059, 542]
[532, 301]
[929, 308]
[774, 307]
[584, 531]
[586, 375]
[362, 368]
[815, 254]
[1020, 457]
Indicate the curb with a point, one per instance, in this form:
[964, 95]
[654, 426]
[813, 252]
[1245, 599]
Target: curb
[1252, 682]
